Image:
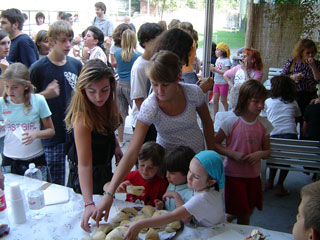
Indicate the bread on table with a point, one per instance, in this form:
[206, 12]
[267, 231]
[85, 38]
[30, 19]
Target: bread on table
[99, 235]
[152, 234]
[159, 213]
[135, 190]
[120, 216]
[124, 222]
[148, 210]
[256, 235]
[106, 228]
[173, 227]
[130, 211]
[117, 234]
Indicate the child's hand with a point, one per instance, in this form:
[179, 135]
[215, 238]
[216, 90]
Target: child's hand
[133, 232]
[238, 156]
[123, 187]
[159, 204]
[53, 89]
[252, 158]
[212, 68]
[169, 194]
[28, 137]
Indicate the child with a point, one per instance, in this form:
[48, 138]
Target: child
[177, 164]
[307, 225]
[282, 111]
[205, 208]
[220, 87]
[42, 43]
[21, 111]
[247, 141]
[93, 116]
[150, 162]
[54, 77]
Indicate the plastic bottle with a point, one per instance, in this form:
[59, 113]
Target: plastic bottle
[35, 196]
[4, 220]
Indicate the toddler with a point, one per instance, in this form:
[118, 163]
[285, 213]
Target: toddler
[150, 162]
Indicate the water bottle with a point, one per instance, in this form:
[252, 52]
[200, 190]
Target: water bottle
[4, 220]
[35, 195]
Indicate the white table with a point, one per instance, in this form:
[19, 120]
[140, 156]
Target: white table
[62, 221]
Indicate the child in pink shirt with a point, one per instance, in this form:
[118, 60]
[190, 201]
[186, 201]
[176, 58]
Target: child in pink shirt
[247, 141]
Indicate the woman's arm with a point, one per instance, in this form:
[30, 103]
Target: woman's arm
[82, 136]
[207, 124]
[47, 132]
[176, 215]
[125, 165]
[313, 66]
[113, 60]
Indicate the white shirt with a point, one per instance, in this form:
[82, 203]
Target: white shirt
[206, 207]
[139, 85]
[282, 115]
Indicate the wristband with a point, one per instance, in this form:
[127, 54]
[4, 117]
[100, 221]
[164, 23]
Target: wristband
[89, 203]
[108, 193]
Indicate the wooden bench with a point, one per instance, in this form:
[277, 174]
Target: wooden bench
[272, 72]
[295, 154]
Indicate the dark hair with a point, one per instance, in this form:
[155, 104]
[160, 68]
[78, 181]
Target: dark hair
[154, 151]
[213, 49]
[40, 15]
[60, 14]
[187, 26]
[25, 16]
[97, 35]
[14, 16]
[163, 25]
[178, 159]
[283, 87]
[3, 34]
[147, 32]
[117, 33]
[101, 5]
[174, 23]
[177, 41]
[249, 89]
[164, 66]
[66, 16]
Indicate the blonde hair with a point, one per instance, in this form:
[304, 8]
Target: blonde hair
[164, 66]
[128, 45]
[19, 73]
[60, 27]
[92, 72]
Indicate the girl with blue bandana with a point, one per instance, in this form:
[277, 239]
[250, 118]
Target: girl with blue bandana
[205, 208]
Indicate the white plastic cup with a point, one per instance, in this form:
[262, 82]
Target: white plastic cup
[17, 204]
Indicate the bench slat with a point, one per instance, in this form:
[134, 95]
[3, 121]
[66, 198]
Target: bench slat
[296, 155]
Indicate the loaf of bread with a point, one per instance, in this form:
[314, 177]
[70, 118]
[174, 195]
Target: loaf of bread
[173, 227]
[135, 190]
[120, 216]
[131, 212]
[117, 234]
[152, 234]
[106, 228]
[98, 235]
[148, 210]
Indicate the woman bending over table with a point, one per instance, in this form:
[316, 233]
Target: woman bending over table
[172, 108]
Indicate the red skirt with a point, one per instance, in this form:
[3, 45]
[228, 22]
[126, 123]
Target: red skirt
[242, 195]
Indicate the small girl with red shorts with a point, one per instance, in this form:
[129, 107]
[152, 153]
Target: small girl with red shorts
[247, 142]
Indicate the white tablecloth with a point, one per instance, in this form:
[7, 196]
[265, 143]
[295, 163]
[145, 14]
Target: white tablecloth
[62, 221]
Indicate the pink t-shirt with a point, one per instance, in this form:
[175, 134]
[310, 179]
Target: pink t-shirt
[245, 137]
[239, 76]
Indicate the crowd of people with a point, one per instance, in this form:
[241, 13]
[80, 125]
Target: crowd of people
[68, 94]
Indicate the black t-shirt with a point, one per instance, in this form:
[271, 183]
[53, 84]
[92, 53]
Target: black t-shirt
[23, 50]
[42, 73]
